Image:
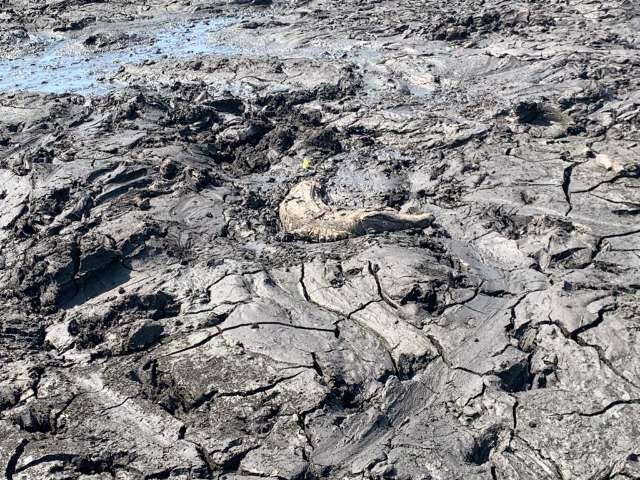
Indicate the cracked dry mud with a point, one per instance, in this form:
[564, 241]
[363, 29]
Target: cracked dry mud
[158, 321]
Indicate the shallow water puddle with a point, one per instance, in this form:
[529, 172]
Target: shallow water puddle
[69, 64]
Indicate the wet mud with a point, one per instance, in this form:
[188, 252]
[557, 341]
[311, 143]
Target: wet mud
[319, 240]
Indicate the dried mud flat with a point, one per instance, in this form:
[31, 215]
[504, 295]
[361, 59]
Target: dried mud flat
[476, 316]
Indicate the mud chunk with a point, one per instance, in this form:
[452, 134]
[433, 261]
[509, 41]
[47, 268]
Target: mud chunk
[169, 169]
[143, 335]
[530, 113]
[326, 141]
[9, 396]
[108, 41]
[74, 24]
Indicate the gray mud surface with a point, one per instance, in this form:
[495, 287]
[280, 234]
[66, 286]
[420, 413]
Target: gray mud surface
[476, 165]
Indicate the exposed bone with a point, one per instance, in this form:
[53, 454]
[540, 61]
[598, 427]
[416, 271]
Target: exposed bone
[304, 214]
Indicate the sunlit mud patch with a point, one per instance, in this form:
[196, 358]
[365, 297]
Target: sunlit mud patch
[83, 63]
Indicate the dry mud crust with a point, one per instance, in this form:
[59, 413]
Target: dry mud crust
[159, 320]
